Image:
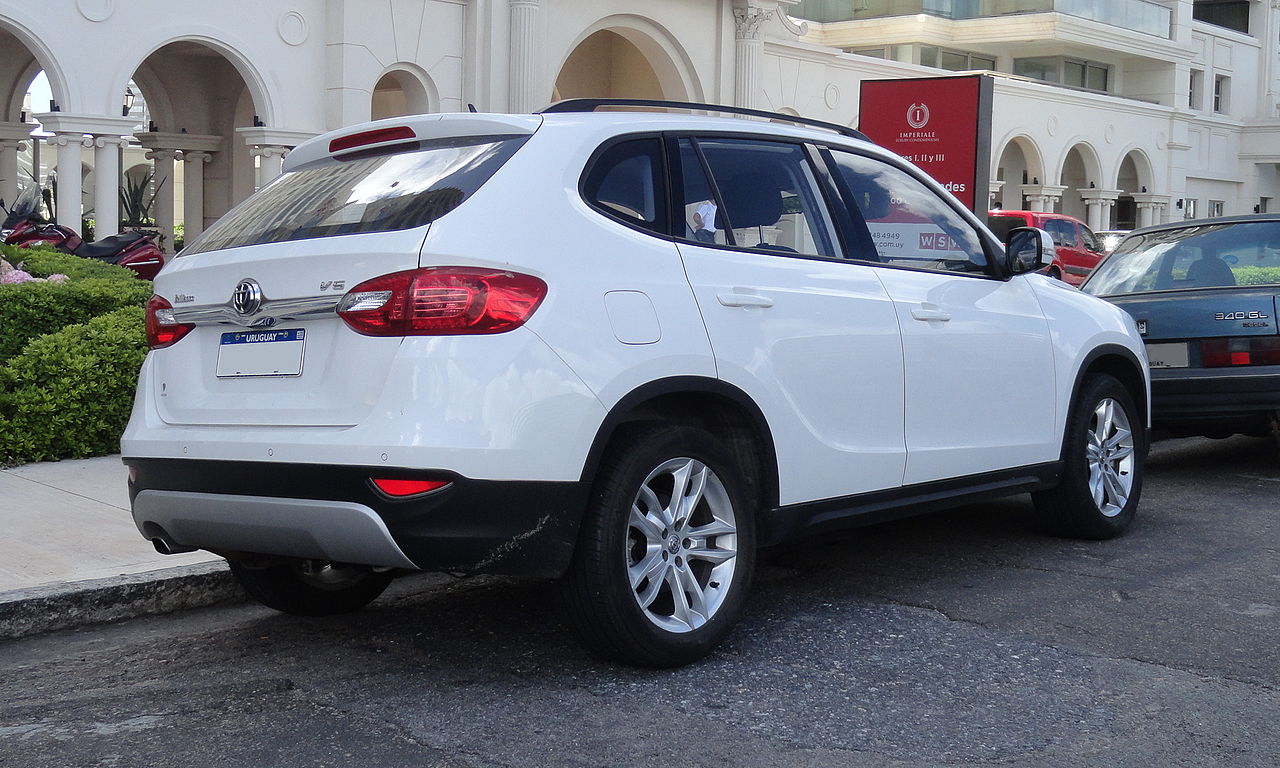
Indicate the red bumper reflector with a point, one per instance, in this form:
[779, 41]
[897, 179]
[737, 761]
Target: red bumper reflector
[399, 487]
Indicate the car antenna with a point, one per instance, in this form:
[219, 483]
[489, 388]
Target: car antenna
[472, 108]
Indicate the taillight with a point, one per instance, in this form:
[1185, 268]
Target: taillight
[442, 301]
[163, 329]
[1256, 350]
[400, 488]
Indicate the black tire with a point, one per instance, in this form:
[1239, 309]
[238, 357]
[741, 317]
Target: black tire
[604, 608]
[1071, 509]
[312, 587]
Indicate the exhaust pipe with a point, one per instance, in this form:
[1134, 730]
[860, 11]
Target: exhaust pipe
[167, 546]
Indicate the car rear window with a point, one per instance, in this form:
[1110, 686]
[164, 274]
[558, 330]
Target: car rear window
[376, 191]
[1000, 226]
[1194, 257]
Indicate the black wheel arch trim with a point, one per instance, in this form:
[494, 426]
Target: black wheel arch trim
[1142, 397]
[628, 405]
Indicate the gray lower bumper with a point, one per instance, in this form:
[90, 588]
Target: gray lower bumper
[340, 531]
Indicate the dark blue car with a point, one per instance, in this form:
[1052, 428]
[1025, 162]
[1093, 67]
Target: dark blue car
[1204, 295]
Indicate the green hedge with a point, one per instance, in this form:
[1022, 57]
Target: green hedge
[42, 262]
[30, 310]
[68, 394]
[1257, 275]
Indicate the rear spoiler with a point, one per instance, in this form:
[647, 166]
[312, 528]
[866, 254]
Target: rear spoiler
[411, 128]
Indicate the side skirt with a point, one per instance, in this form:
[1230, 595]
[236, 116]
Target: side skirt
[795, 520]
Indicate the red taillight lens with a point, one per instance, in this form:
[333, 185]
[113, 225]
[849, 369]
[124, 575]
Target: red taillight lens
[442, 301]
[400, 488]
[162, 329]
[1223, 353]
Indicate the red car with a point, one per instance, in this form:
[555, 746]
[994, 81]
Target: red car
[1078, 249]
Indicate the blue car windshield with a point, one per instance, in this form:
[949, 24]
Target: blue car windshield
[1191, 257]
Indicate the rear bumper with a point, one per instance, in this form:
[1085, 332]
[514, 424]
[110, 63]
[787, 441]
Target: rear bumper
[335, 513]
[1231, 397]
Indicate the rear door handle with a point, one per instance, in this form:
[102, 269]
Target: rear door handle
[744, 300]
[930, 312]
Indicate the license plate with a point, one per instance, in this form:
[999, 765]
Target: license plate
[1167, 355]
[261, 353]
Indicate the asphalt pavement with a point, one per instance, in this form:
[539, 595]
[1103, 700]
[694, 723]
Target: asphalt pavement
[958, 639]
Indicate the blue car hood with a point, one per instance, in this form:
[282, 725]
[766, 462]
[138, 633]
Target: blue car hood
[1201, 314]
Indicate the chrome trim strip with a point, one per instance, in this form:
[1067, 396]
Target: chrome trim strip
[340, 531]
[272, 310]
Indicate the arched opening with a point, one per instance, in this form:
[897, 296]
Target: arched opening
[626, 57]
[1019, 164]
[1133, 177]
[25, 89]
[197, 98]
[1079, 171]
[403, 92]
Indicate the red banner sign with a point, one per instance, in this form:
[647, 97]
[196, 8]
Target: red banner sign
[941, 124]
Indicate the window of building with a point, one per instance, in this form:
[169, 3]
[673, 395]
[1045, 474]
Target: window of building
[1189, 208]
[1232, 14]
[1194, 98]
[1217, 207]
[954, 61]
[1076, 73]
[1221, 94]
[875, 53]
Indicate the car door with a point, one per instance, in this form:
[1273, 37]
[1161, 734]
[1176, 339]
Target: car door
[811, 337]
[978, 362]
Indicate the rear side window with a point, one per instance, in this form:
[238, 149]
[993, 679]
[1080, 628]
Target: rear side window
[371, 193]
[627, 182]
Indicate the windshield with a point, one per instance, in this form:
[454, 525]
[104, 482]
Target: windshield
[25, 206]
[1188, 258]
[1000, 226]
[375, 192]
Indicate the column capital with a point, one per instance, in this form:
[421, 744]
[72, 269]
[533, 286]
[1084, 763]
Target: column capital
[1091, 195]
[268, 150]
[16, 131]
[525, 3]
[1052, 191]
[748, 20]
[194, 156]
[102, 142]
[163, 154]
[1150, 198]
[15, 144]
[66, 139]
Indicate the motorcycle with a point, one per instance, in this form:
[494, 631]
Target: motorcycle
[24, 226]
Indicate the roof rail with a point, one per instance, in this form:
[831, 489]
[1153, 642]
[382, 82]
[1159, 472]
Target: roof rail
[592, 104]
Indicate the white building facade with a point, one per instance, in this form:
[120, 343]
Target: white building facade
[1160, 110]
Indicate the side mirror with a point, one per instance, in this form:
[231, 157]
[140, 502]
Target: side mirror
[1028, 250]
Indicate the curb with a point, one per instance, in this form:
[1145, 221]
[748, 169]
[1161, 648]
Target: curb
[37, 610]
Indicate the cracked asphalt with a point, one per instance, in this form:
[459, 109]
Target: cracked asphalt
[960, 639]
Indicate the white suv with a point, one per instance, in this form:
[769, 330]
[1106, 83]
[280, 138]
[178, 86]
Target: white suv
[625, 349]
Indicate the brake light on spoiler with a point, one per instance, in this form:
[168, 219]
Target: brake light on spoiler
[377, 136]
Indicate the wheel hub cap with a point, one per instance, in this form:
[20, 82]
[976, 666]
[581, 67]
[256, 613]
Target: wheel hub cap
[1109, 451]
[682, 545]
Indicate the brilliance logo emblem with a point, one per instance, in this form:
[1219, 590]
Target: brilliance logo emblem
[247, 297]
[918, 115]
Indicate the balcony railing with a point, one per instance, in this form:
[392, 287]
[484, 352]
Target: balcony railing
[1138, 15]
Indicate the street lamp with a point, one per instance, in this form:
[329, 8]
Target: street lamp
[127, 106]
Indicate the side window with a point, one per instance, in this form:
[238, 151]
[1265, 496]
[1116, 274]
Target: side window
[770, 197]
[1063, 232]
[625, 182]
[1089, 239]
[909, 224]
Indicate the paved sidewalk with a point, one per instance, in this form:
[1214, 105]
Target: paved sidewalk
[70, 553]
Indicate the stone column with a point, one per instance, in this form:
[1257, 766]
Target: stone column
[69, 181]
[270, 162]
[1151, 208]
[1042, 197]
[748, 50]
[994, 187]
[193, 194]
[13, 139]
[106, 187]
[163, 160]
[522, 77]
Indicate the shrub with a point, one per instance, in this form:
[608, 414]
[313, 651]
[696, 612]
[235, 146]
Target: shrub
[42, 262]
[28, 310]
[68, 394]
